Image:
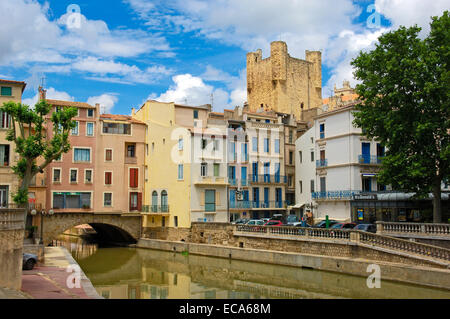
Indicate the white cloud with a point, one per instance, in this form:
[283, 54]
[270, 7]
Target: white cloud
[106, 101]
[52, 94]
[27, 35]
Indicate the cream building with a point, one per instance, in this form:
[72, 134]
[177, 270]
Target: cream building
[9, 183]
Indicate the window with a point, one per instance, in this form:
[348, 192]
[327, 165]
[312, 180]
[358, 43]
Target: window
[322, 130]
[89, 129]
[291, 158]
[164, 202]
[135, 201]
[195, 114]
[134, 177]
[216, 169]
[204, 143]
[180, 171]
[108, 178]
[312, 156]
[116, 128]
[175, 222]
[88, 176]
[210, 200]
[4, 155]
[107, 199]
[75, 129]
[277, 146]
[301, 187]
[108, 155]
[90, 113]
[73, 176]
[131, 150]
[163, 222]
[204, 170]
[180, 144]
[6, 91]
[300, 156]
[255, 144]
[291, 136]
[5, 120]
[81, 155]
[56, 175]
[71, 200]
[266, 145]
[312, 186]
[323, 184]
[290, 180]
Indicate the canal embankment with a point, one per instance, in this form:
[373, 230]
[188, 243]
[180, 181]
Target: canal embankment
[57, 278]
[390, 271]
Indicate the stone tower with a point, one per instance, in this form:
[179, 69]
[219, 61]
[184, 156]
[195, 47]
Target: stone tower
[282, 83]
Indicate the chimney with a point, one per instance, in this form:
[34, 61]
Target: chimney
[133, 111]
[42, 94]
[97, 109]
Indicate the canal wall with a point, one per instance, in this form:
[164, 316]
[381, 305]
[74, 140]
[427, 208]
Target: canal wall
[418, 275]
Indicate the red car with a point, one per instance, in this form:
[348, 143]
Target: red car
[343, 226]
[274, 223]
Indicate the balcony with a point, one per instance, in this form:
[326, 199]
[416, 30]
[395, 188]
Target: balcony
[334, 195]
[370, 159]
[211, 180]
[268, 179]
[130, 160]
[155, 209]
[321, 163]
[234, 182]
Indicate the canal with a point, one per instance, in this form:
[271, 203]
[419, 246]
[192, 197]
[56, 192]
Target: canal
[134, 273]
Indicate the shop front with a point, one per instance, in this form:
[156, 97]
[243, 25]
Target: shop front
[395, 207]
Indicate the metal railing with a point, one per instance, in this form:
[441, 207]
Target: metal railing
[356, 236]
[155, 209]
[346, 194]
[258, 204]
[426, 229]
[370, 159]
[322, 163]
[268, 179]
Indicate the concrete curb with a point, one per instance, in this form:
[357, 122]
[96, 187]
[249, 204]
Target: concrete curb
[85, 282]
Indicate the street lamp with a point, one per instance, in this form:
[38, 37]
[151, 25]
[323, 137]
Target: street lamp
[43, 213]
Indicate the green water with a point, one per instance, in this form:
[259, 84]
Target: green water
[133, 273]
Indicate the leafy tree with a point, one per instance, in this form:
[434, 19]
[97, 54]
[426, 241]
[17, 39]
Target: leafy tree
[30, 137]
[405, 87]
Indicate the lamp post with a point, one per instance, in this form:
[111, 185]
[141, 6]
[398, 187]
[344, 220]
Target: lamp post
[42, 213]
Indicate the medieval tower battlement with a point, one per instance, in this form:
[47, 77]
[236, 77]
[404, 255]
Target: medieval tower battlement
[283, 83]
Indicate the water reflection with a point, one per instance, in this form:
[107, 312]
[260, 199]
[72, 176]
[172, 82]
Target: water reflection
[129, 273]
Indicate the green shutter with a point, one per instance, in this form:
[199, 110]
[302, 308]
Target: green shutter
[6, 91]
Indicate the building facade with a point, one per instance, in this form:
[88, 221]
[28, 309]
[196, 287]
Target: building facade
[282, 83]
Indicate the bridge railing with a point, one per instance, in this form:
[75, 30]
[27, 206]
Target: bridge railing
[414, 228]
[356, 236]
[12, 219]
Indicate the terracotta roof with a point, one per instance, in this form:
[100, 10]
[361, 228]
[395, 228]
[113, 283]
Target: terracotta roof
[14, 82]
[70, 103]
[120, 117]
[216, 113]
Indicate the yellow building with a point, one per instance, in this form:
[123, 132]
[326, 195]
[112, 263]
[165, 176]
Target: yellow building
[167, 186]
[9, 183]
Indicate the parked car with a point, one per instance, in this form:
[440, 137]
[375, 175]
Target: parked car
[291, 219]
[265, 220]
[299, 224]
[29, 260]
[274, 223]
[241, 221]
[255, 222]
[343, 226]
[366, 227]
[322, 224]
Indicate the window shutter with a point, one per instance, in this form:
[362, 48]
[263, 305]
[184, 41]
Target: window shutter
[139, 203]
[133, 177]
[217, 198]
[202, 198]
[131, 200]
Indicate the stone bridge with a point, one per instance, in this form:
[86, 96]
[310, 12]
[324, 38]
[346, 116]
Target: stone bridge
[116, 227]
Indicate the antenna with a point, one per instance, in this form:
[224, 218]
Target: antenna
[102, 110]
[212, 99]
[43, 81]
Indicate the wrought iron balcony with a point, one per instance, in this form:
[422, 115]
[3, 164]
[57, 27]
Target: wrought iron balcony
[322, 163]
[346, 194]
[370, 159]
[155, 208]
[268, 179]
[257, 204]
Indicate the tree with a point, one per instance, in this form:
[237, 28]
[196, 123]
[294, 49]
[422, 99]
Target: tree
[30, 137]
[404, 92]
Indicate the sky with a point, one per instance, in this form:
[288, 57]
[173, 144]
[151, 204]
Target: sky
[119, 53]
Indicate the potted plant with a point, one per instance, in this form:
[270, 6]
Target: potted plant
[86, 206]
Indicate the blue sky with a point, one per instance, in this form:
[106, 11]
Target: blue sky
[123, 52]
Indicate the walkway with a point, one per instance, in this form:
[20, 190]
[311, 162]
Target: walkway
[49, 280]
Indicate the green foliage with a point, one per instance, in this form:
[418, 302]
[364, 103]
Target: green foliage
[405, 87]
[29, 135]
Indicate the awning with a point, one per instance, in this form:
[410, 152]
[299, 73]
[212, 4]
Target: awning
[299, 205]
[368, 174]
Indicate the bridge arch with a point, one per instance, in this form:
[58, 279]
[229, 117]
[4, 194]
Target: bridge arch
[110, 227]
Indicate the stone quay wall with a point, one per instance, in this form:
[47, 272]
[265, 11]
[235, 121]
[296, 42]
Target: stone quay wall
[12, 231]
